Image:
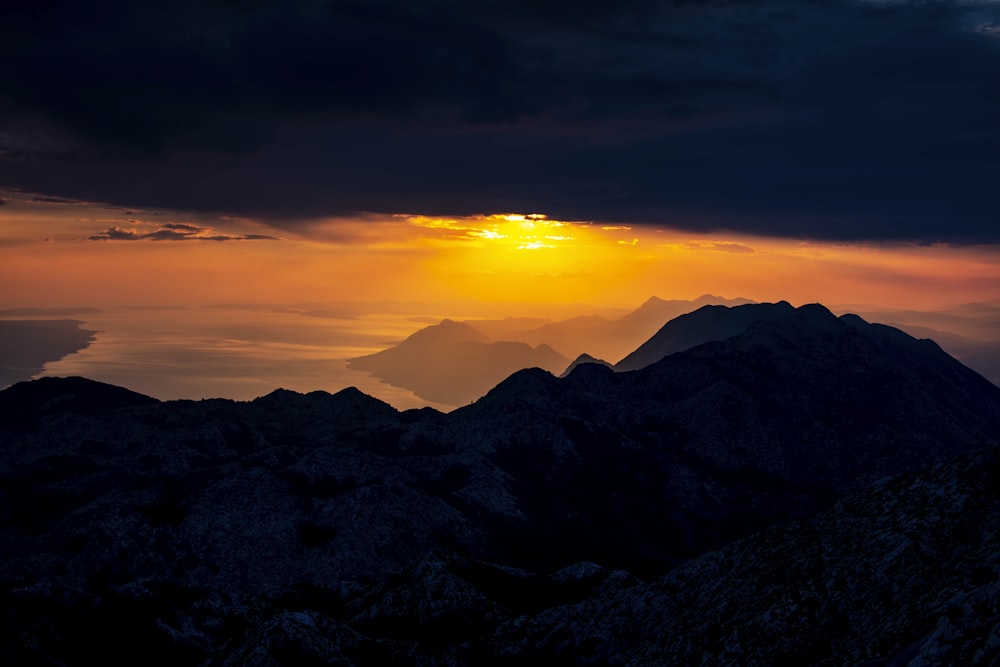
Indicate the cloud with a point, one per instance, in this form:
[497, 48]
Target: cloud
[174, 232]
[720, 246]
[116, 234]
[53, 200]
[184, 228]
[833, 120]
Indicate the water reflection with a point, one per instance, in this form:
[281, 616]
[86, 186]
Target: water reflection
[236, 352]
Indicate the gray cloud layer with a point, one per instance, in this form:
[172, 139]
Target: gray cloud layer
[839, 119]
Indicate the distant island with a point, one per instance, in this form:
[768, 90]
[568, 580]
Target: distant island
[455, 363]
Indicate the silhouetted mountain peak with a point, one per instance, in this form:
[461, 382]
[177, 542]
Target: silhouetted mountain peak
[26, 401]
[347, 393]
[447, 331]
[812, 312]
[278, 395]
[651, 302]
[713, 299]
[347, 402]
[591, 368]
[525, 383]
[814, 330]
[809, 319]
[585, 359]
[853, 320]
[706, 324]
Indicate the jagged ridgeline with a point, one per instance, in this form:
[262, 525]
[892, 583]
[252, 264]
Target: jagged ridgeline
[804, 489]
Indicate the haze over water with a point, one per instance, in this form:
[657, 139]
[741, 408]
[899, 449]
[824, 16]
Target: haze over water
[234, 352]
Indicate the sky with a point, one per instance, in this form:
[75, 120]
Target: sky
[505, 152]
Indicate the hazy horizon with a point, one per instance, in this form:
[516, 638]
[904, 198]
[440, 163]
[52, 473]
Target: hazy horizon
[245, 351]
[541, 160]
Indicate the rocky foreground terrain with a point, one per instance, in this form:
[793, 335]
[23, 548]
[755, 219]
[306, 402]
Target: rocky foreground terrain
[813, 490]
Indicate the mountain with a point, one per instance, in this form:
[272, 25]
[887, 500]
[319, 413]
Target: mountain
[902, 573]
[431, 337]
[571, 336]
[613, 339]
[729, 436]
[982, 356]
[708, 323]
[976, 321]
[731, 496]
[978, 309]
[584, 359]
[970, 332]
[454, 363]
[28, 403]
[654, 311]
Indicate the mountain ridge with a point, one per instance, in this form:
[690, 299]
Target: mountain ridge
[560, 519]
[439, 364]
[706, 324]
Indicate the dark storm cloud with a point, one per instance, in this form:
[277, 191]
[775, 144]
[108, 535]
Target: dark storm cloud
[843, 119]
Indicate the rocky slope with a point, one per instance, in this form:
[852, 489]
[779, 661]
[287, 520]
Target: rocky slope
[906, 572]
[557, 519]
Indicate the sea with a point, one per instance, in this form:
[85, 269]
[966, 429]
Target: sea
[237, 352]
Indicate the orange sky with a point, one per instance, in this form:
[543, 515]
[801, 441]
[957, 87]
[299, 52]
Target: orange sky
[47, 259]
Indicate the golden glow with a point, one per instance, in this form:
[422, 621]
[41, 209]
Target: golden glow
[521, 232]
[507, 259]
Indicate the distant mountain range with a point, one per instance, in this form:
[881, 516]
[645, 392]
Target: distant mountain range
[810, 490]
[970, 332]
[600, 337]
[457, 362]
[439, 364]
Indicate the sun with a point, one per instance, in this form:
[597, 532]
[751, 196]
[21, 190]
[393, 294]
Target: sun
[516, 231]
[517, 256]
[526, 232]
